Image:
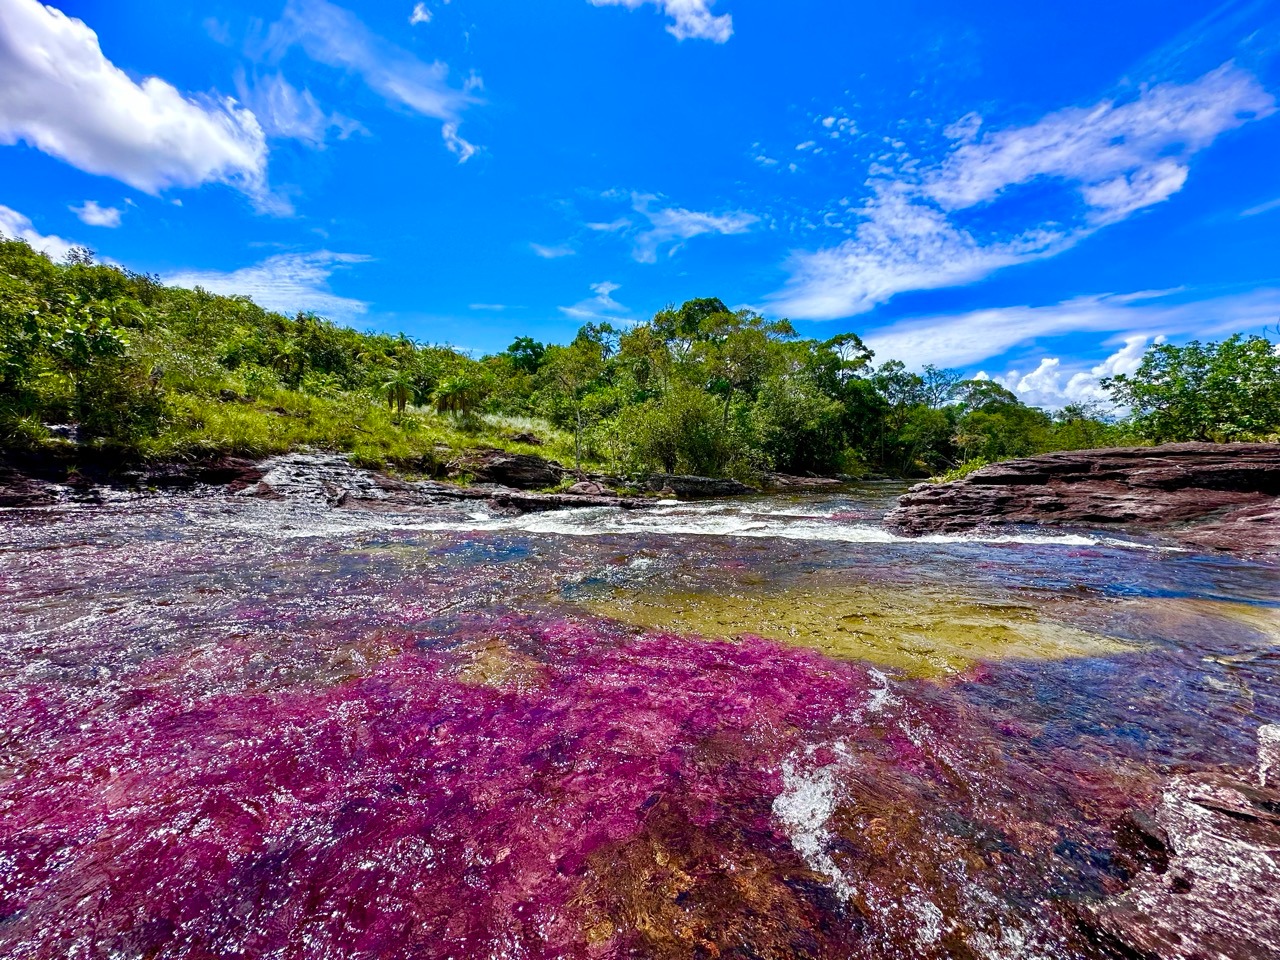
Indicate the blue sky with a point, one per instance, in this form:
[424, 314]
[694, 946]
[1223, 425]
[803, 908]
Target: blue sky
[1034, 191]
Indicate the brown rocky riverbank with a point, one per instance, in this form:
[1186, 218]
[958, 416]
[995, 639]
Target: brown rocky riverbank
[1213, 496]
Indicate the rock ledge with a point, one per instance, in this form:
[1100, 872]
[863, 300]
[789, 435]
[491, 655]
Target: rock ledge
[1213, 496]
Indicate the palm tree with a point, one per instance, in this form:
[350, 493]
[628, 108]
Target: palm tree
[398, 387]
[460, 395]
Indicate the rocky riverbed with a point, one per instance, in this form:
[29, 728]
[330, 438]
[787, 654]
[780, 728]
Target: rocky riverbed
[299, 709]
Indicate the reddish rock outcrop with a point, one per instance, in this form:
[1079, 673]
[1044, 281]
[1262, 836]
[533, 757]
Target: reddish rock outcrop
[1213, 496]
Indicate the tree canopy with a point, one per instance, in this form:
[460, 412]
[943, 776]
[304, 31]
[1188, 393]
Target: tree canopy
[700, 388]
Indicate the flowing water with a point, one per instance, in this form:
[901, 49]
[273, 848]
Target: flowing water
[232, 728]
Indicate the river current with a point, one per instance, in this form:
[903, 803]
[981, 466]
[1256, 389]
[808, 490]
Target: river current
[242, 728]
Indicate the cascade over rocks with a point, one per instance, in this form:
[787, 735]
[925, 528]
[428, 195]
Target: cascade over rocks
[1213, 496]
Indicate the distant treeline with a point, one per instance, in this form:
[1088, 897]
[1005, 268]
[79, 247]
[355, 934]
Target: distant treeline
[101, 356]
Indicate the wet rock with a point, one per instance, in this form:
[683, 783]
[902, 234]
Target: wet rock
[522, 471]
[589, 488]
[696, 488]
[1218, 894]
[1215, 496]
[1269, 757]
[785, 483]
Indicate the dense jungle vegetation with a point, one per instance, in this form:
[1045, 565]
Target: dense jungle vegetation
[114, 360]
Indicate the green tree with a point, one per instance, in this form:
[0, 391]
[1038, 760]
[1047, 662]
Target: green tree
[1217, 391]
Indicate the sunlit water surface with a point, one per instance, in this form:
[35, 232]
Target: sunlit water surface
[234, 728]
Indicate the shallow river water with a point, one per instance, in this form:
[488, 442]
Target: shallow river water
[233, 728]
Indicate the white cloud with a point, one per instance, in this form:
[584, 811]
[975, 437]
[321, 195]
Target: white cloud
[960, 340]
[1114, 158]
[420, 14]
[1054, 385]
[616, 226]
[17, 227]
[1262, 208]
[285, 111]
[552, 253]
[289, 283]
[338, 38]
[900, 244]
[676, 226]
[600, 307]
[693, 19]
[61, 95]
[1120, 157]
[91, 213]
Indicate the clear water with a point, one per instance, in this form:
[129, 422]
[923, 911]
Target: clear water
[770, 728]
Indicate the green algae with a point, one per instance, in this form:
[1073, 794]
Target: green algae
[922, 631]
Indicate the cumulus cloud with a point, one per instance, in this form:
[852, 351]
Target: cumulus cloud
[15, 226]
[672, 227]
[95, 215]
[692, 19]
[60, 94]
[964, 339]
[1054, 384]
[289, 283]
[420, 14]
[1113, 159]
[336, 37]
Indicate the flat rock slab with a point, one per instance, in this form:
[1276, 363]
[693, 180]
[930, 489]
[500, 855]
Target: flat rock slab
[1213, 496]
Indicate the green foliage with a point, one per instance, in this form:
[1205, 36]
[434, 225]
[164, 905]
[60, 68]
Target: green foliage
[961, 471]
[1219, 391]
[155, 371]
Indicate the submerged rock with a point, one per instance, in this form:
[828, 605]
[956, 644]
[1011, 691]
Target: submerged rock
[1216, 892]
[1216, 496]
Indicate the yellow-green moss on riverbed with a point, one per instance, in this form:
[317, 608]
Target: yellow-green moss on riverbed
[922, 631]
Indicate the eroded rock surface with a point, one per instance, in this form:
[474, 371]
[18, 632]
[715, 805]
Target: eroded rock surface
[1215, 496]
[1218, 894]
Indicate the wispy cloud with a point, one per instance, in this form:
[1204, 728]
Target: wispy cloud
[336, 37]
[285, 111]
[965, 339]
[420, 14]
[1262, 208]
[96, 215]
[1111, 159]
[552, 253]
[691, 19]
[15, 226]
[60, 94]
[288, 283]
[600, 307]
[672, 227]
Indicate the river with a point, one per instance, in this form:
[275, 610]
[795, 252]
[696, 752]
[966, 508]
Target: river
[234, 727]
